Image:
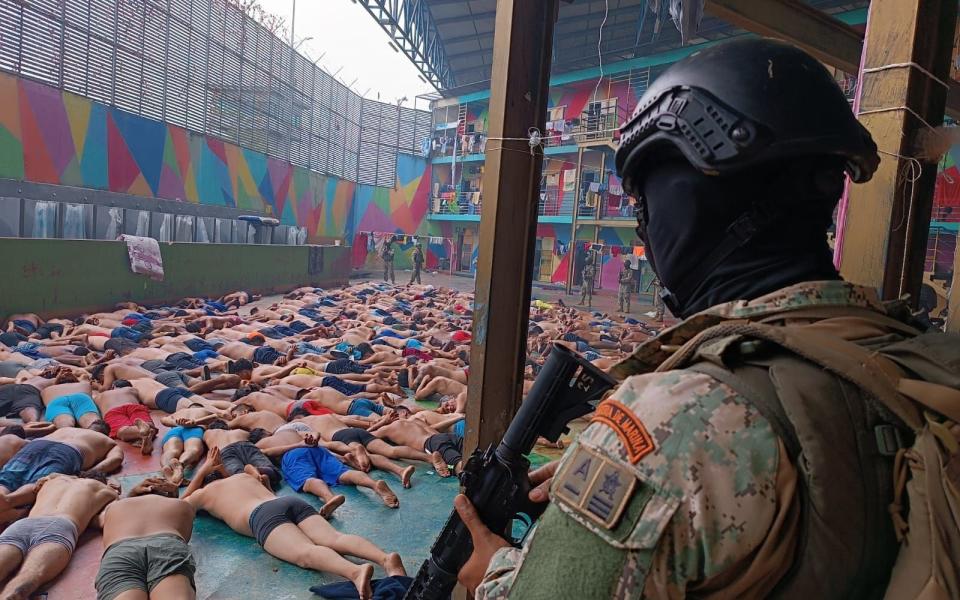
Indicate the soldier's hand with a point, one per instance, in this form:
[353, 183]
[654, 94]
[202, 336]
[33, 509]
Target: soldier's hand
[542, 478]
[485, 544]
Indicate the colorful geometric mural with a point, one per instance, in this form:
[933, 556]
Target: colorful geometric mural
[51, 136]
[402, 210]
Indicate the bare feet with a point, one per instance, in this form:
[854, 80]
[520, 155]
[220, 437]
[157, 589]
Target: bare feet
[148, 433]
[362, 581]
[351, 460]
[389, 498]
[174, 472]
[439, 465]
[363, 459]
[393, 565]
[406, 475]
[331, 505]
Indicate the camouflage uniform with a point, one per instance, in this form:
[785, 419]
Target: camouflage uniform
[417, 259]
[657, 300]
[678, 487]
[626, 288]
[388, 274]
[586, 285]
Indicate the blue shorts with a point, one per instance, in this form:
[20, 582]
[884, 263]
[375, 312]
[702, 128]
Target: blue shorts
[301, 464]
[344, 365]
[203, 355]
[298, 326]
[460, 428]
[583, 347]
[345, 388]
[167, 399]
[25, 325]
[38, 459]
[74, 405]
[183, 434]
[307, 348]
[30, 350]
[127, 333]
[265, 355]
[198, 345]
[361, 407]
[214, 305]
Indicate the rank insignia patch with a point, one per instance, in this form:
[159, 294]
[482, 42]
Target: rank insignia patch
[595, 486]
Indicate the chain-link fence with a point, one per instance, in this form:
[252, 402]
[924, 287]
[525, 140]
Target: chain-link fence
[206, 66]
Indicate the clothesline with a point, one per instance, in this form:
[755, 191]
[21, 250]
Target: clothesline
[430, 238]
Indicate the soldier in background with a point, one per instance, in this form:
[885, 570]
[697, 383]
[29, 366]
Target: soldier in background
[587, 275]
[657, 298]
[626, 281]
[417, 258]
[387, 255]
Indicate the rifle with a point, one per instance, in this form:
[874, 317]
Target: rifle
[497, 481]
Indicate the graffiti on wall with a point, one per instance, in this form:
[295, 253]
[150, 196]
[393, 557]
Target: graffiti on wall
[51, 136]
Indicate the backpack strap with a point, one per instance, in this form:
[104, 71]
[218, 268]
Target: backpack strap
[867, 370]
[753, 383]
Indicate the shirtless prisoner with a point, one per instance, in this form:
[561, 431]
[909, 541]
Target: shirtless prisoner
[286, 527]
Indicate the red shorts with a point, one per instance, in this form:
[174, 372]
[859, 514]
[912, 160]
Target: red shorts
[419, 354]
[311, 407]
[126, 415]
[98, 334]
[460, 336]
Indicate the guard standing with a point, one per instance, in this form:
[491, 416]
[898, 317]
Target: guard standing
[586, 285]
[626, 281]
[417, 258]
[387, 256]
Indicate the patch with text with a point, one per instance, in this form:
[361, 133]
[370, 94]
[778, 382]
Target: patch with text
[628, 427]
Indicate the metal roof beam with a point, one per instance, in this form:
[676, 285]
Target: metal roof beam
[448, 20]
[412, 31]
[823, 36]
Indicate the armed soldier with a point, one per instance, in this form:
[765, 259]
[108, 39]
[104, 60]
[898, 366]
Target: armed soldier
[690, 481]
[417, 259]
[626, 281]
[588, 273]
[387, 255]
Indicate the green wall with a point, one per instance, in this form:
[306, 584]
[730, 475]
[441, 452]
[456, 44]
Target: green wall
[70, 277]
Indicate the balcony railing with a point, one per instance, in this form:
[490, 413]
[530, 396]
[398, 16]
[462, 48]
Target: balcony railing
[589, 126]
[610, 208]
[552, 203]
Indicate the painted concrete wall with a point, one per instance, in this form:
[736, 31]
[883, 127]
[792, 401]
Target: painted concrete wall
[68, 277]
[51, 136]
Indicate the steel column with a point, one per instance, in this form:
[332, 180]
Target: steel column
[572, 252]
[508, 222]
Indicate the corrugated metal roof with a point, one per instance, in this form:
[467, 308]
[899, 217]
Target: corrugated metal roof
[631, 30]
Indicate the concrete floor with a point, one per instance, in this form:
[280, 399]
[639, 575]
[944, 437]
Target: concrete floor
[603, 300]
[234, 567]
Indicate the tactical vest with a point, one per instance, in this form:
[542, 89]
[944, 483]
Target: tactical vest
[837, 409]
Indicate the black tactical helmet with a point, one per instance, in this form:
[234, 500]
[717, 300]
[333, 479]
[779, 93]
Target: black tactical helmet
[742, 103]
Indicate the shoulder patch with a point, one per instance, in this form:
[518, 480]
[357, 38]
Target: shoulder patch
[628, 427]
[595, 487]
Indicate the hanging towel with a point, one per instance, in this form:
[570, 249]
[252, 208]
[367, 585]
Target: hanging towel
[360, 249]
[144, 255]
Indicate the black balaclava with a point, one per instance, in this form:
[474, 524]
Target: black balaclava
[687, 214]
